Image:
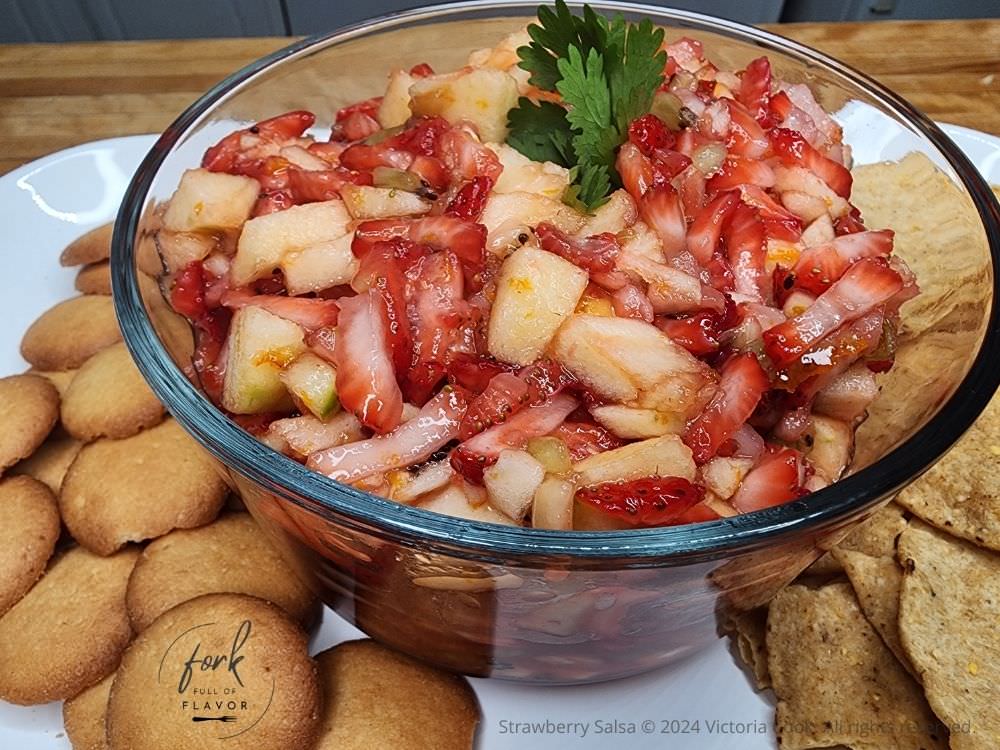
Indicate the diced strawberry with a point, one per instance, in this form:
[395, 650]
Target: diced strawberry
[421, 135]
[471, 457]
[703, 237]
[306, 311]
[308, 186]
[470, 200]
[667, 164]
[586, 438]
[436, 310]
[635, 169]
[368, 233]
[268, 202]
[821, 265]
[596, 253]
[775, 480]
[866, 285]
[228, 155]
[691, 189]
[779, 222]
[188, 295]
[720, 274]
[631, 302]
[366, 382]
[697, 333]
[832, 355]
[364, 158]
[464, 238]
[737, 171]
[746, 137]
[661, 209]
[421, 70]
[507, 393]
[649, 501]
[699, 513]
[368, 107]
[779, 108]
[741, 386]
[755, 88]
[746, 250]
[466, 156]
[850, 222]
[383, 269]
[355, 127]
[794, 150]
[687, 53]
[649, 132]
[474, 372]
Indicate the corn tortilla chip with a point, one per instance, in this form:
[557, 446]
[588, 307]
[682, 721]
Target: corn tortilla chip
[961, 493]
[949, 620]
[875, 536]
[835, 680]
[748, 631]
[876, 582]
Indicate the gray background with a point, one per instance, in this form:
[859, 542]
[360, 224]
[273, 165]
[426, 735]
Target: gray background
[81, 20]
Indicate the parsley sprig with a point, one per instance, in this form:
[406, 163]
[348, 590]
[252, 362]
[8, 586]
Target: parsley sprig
[606, 72]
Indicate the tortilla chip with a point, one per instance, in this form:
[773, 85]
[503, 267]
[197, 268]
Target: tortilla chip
[748, 631]
[920, 202]
[875, 536]
[835, 680]
[961, 493]
[876, 582]
[949, 620]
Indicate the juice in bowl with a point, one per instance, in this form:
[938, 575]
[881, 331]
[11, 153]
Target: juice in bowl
[554, 344]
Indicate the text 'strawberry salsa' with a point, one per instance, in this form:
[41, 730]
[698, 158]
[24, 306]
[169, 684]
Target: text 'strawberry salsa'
[584, 284]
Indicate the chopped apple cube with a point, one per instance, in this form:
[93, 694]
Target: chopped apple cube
[313, 385]
[536, 292]
[177, 249]
[483, 96]
[664, 456]
[521, 174]
[260, 346]
[634, 363]
[511, 482]
[552, 507]
[507, 216]
[395, 107]
[832, 448]
[367, 202]
[451, 501]
[635, 424]
[723, 476]
[618, 213]
[267, 240]
[320, 266]
[205, 201]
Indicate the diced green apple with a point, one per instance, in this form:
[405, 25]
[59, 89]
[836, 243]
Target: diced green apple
[260, 346]
[664, 456]
[451, 501]
[617, 213]
[313, 384]
[367, 202]
[511, 482]
[536, 292]
[553, 504]
[832, 446]
[395, 107]
[507, 216]
[320, 266]
[267, 240]
[205, 201]
[632, 424]
[521, 174]
[482, 96]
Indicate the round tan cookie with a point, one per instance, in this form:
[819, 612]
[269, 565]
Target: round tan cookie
[92, 247]
[59, 378]
[68, 334]
[109, 398]
[218, 655]
[120, 491]
[29, 408]
[376, 697]
[230, 555]
[49, 463]
[84, 716]
[68, 631]
[29, 529]
[94, 278]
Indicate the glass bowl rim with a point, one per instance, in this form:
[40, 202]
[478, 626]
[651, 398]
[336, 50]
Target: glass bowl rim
[414, 527]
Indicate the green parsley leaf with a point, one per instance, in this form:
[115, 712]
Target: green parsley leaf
[541, 132]
[635, 76]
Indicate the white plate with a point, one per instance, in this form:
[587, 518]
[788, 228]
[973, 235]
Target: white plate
[49, 202]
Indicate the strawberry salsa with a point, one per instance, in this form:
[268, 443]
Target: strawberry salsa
[587, 281]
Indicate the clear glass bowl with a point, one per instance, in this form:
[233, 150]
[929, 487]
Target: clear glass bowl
[549, 606]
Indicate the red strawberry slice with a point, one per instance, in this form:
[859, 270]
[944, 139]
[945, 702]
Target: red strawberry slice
[821, 265]
[635, 169]
[466, 156]
[367, 107]
[631, 302]
[742, 383]
[308, 312]
[474, 372]
[383, 269]
[475, 454]
[308, 186]
[691, 189]
[779, 222]
[755, 88]
[703, 237]
[507, 393]
[464, 238]
[586, 439]
[866, 285]
[188, 295]
[596, 253]
[366, 381]
[649, 132]
[746, 137]
[355, 127]
[228, 154]
[649, 501]
[746, 250]
[775, 480]
[470, 200]
[661, 209]
[794, 150]
[737, 171]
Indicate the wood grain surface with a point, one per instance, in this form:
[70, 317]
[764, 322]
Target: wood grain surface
[55, 96]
